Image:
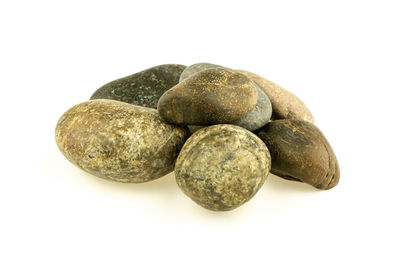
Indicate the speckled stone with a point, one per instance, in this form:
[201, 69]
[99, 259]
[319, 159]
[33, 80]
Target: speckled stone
[300, 152]
[119, 141]
[208, 97]
[222, 166]
[255, 119]
[285, 105]
[143, 88]
[195, 68]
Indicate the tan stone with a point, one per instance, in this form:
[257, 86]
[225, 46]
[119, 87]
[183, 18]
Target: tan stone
[119, 141]
[285, 105]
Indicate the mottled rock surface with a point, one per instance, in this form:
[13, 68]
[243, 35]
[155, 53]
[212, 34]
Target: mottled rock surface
[259, 115]
[143, 88]
[195, 68]
[119, 141]
[300, 152]
[222, 166]
[208, 97]
[285, 105]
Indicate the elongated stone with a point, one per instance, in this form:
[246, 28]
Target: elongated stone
[285, 105]
[119, 141]
[195, 68]
[300, 152]
[143, 88]
[222, 166]
[208, 97]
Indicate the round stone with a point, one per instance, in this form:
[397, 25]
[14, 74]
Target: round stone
[143, 88]
[208, 97]
[119, 141]
[285, 105]
[300, 152]
[195, 68]
[222, 166]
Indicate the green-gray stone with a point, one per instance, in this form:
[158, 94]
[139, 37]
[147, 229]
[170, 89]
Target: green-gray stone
[259, 115]
[222, 166]
[143, 88]
[195, 68]
[300, 152]
[119, 141]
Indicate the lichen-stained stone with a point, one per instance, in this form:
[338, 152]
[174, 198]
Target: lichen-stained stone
[208, 97]
[285, 105]
[259, 115]
[143, 88]
[222, 166]
[119, 141]
[195, 68]
[300, 152]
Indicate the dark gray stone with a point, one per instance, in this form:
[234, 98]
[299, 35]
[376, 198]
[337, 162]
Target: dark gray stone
[143, 88]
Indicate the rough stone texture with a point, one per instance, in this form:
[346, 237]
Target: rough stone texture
[208, 97]
[285, 105]
[222, 166]
[119, 141]
[259, 115]
[300, 152]
[195, 68]
[143, 88]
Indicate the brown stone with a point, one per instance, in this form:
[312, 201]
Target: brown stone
[285, 105]
[119, 141]
[300, 152]
[211, 96]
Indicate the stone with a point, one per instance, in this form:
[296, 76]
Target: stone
[195, 68]
[143, 88]
[119, 141]
[222, 166]
[300, 152]
[209, 97]
[259, 115]
[285, 105]
[255, 119]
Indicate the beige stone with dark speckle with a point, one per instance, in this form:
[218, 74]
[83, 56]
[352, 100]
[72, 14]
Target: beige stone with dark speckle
[222, 166]
[119, 141]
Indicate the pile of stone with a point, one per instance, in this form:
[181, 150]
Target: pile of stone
[220, 130]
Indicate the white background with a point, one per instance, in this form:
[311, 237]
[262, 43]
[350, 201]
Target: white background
[340, 57]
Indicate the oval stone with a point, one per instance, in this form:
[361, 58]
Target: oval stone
[255, 119]
[300, 152]
[195, 68]
[222, 166]
[143, 88]
[208, 97]
[285, 105]
[119, 141]
[259, 115]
